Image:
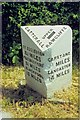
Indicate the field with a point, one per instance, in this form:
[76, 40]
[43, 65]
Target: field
[21, 101]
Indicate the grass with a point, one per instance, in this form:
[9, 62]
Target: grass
[23, 102]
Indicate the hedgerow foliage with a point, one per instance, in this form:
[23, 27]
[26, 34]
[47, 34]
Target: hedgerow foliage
[17, 14]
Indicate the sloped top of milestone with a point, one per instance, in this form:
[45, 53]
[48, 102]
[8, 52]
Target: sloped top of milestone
[45, 36]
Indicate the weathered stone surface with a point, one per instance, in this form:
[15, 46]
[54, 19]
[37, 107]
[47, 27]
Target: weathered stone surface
[47, 55]
[5, 115]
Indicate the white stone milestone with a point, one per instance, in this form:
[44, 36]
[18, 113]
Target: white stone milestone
[47, 55]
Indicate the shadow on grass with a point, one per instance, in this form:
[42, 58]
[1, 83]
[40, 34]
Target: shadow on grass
[23, 93]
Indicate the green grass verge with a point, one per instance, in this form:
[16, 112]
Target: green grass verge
[23, 102]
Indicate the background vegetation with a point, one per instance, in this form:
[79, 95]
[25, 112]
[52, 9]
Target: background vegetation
[35, 13]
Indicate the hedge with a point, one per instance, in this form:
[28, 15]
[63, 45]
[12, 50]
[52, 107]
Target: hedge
[16, 14]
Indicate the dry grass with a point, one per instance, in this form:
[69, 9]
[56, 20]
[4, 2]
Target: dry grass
[23, 102]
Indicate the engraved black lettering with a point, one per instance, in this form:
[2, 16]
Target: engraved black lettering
[51, 35]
